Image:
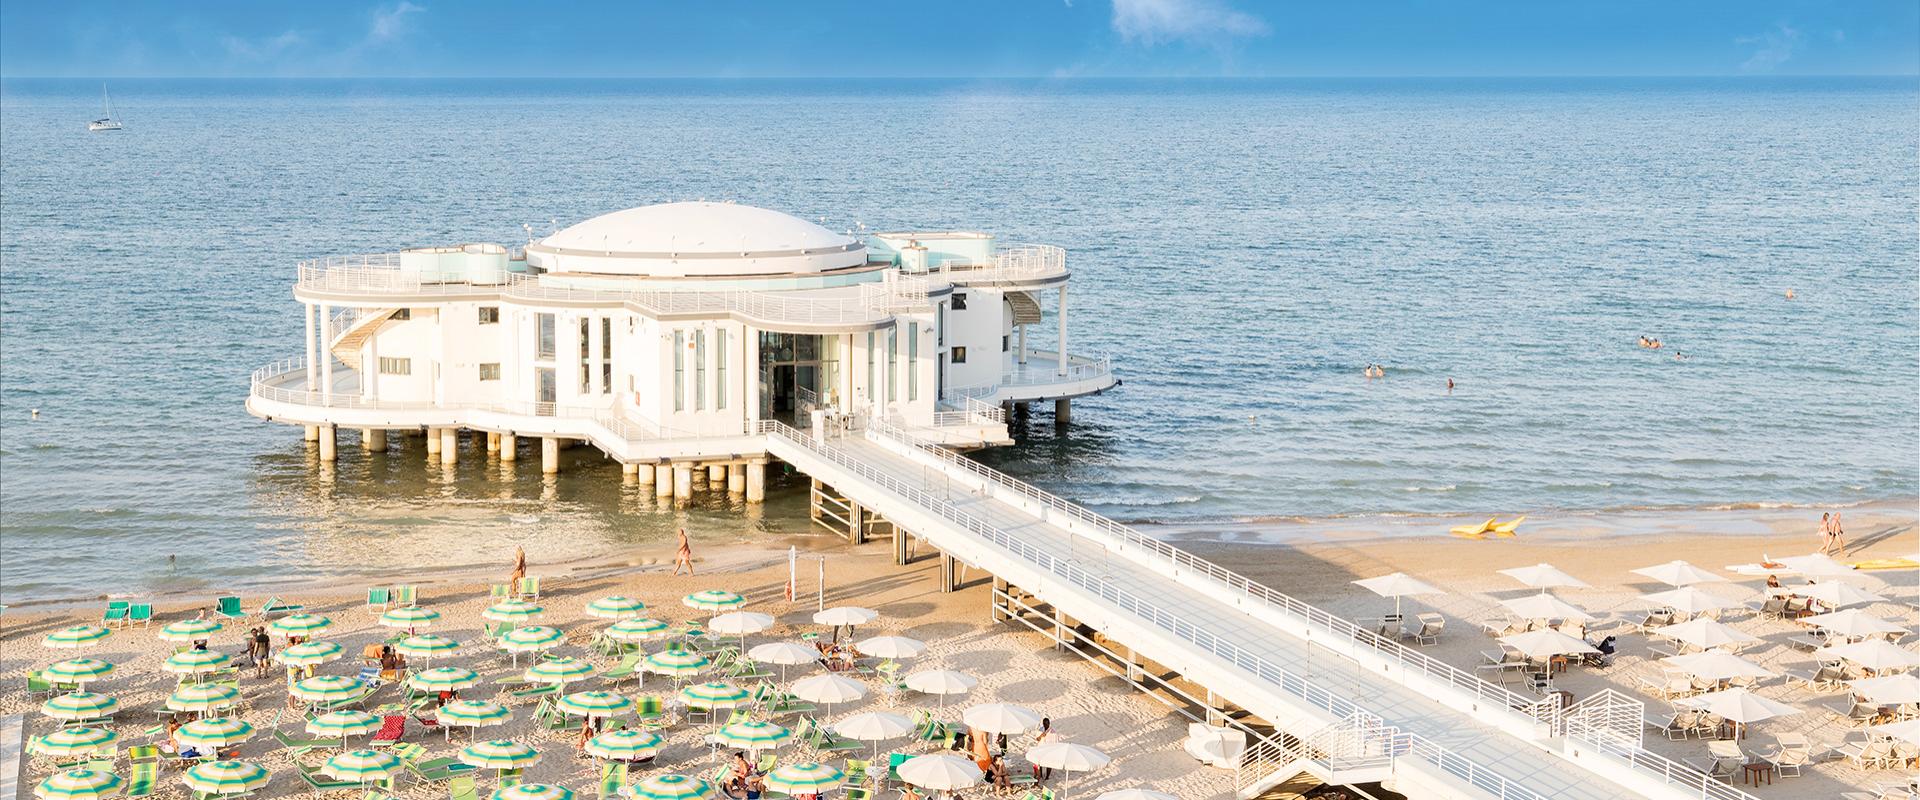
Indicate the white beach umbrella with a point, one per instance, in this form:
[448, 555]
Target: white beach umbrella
[845, 615]
[740, 623]
[1001, 718]
[1679, 573]
[942, 682]
[1542, 576]
[783, 653]
[829, 689]
[1717, 665]
[940, 772]
[1851, 623]
[1905, 730]
[1397, 586]
[1545, 606]
[1686, 600]
[1704, 633]
[1547, 643]
[1837, 594]
[1889, 690]
[874, 726]
[1738, 706]
[1134, 794]
[1874, 654]
[1813, 565]
[1067, 756]
[892, 647]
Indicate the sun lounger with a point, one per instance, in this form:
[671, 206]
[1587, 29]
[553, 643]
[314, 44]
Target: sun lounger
[528, 588]
[141, 613]
[229, 608]
[462, 788]
[406, 595]
[613, 775]
[143, 778]
[1428, 630]
[322, 783]
[275, 605]
[1677, 725]
[116, 612]
[1792, 752]
[379, 597]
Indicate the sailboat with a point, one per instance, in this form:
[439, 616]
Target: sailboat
[106, 122]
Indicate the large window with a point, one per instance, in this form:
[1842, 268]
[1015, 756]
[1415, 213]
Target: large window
[544, 343]
[606, 355]
[586, 362]
[893, 361]
[489, 315]
[959, 301]
[720, 369]
[679, 370]
[490, 372]
[913, 361]
[873, 358]
[959, 355]
[396, 366]
[700, 370]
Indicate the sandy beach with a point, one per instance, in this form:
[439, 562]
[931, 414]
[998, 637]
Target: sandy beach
[1013, 667]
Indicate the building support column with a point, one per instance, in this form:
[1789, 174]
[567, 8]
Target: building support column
[643, 473]
[312, 432]
[1062, 412]
[757, 480]
[856, 523]
[326, 355]
[663, 480]
[1063, 330]
[736, 478]
[493, 442]
[899, 546]
[1023, 343]
[716, 474]
[683, 481]
[549, 455]
[313, 363]
[449, 445]
[628, 471]
[949, 573]
[995, 612]
[370, 367]
[373, 440]
[328, 443]
[433, 443]
[509, 447]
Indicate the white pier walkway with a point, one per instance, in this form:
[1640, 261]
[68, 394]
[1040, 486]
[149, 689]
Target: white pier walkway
[1363, 708]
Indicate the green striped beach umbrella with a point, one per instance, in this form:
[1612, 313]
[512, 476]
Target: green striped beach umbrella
[672, 787]
[561, 670]
[73, 741]
[426, 645]
[79, 784]
[80, 705]
[310, 654]
[364, 766]
[202, 697]
[594, 704]
[473, 713]
[624, 745]
[753, 735]
[226, 777]
[500, 754]
[443, 679]
[635, 630]
[533, 791]
[77, 670]
[300, 625]
[716, 694]
[512, 611]
[714, 600]
[76, 636]
[328, 689]
[194, 662]
[677, 663]
[615, 607]
[805, 778]
[189, 630]
[409, 618]
[531, 638]
[214, 732]
[349, 722]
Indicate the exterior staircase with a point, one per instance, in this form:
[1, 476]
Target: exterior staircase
[1357, 749]
[1026, 308]
[355, 331]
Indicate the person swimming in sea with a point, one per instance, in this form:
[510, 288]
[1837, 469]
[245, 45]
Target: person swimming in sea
[1645, 342]
[1789, 294]
[1449, 386]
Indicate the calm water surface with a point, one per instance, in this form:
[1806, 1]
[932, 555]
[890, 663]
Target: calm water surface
[1243, 249]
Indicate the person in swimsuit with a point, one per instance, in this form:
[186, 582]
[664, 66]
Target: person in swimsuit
[685, 557]
[1839, 534]
[1826, 532]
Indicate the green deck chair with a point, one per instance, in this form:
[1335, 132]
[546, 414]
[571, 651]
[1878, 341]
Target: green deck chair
[379, 597]
[141, 613]
[229, 607]
[116, 612]
[613, 775]
[407, 595]
[143, 778]
[461, 788]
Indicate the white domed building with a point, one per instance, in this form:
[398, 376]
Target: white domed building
[675, 337]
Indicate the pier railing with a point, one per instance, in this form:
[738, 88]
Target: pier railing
[933, 498]
[1012, 263]
[1079, 367]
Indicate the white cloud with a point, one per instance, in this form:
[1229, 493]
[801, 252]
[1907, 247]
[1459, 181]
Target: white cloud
[1773, 48]
[391, 23]
[1151, 22]
[258, 49]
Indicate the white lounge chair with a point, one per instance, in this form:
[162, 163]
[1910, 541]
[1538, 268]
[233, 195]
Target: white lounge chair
[1791, 752]
[1428, 632]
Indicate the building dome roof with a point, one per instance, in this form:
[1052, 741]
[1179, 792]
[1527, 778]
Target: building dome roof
[696, 239]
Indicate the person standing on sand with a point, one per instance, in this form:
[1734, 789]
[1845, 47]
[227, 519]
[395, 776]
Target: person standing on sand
[519, 569]
[1826, 532]
[684, 558]
[1839, 535]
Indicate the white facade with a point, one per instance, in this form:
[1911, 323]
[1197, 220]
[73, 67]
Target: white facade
[668, 333]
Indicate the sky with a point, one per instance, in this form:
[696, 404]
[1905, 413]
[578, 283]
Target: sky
[966, 38]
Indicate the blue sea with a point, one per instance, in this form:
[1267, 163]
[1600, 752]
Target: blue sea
[1242, 248]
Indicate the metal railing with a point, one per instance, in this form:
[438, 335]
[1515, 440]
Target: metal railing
[1011, 263]
[963, 410]
[1078, 368]
[1225, 647]
[1614, 722]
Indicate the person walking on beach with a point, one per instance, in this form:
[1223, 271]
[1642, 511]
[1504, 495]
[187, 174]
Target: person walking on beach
[684, 558]
[1826, 533]
[1838, 535]
[519, 569]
